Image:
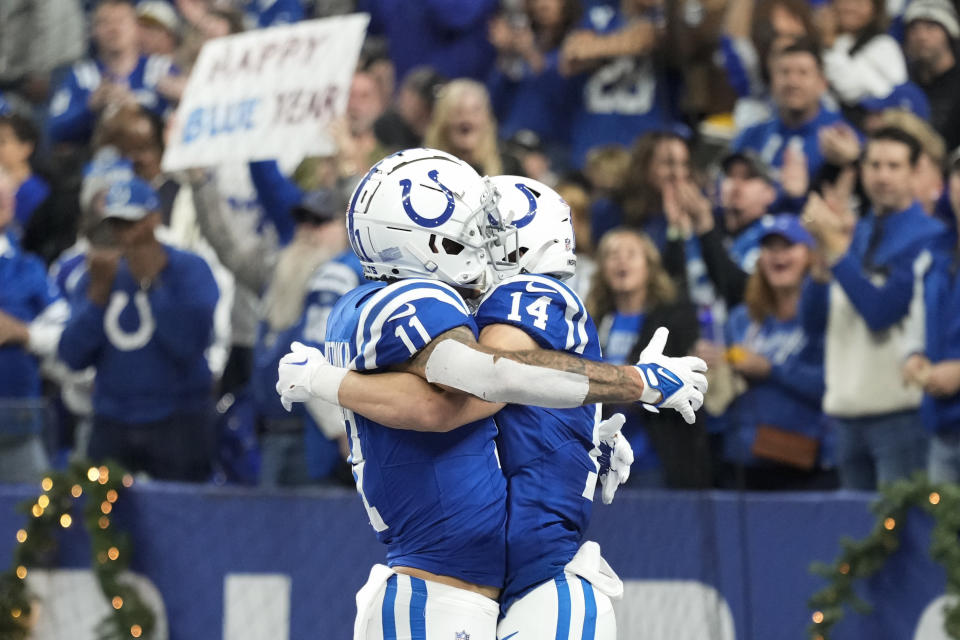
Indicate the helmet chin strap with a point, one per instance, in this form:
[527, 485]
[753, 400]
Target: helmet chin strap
[529, 260]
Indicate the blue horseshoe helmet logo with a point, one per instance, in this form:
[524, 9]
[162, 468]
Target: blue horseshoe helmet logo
[531, 212]
[416, 217]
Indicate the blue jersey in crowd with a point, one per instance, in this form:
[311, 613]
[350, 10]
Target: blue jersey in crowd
[71, 119]
[267, 13]
[545, 453]
[24, 293]
[790, 397]
[620, 100]
[771, 138]
[437, 500]
[148, 346]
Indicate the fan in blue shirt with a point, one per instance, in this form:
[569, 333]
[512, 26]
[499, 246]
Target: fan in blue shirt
[143, 316]
[798, 86]
[118, 74]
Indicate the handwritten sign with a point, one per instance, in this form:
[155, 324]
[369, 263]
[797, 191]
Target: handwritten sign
[266, 94]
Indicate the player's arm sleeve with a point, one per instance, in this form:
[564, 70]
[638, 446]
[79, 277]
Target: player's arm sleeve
[535, 377]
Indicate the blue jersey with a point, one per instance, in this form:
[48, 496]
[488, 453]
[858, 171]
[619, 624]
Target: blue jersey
[545, 453]
[70, 118]
[437, 500]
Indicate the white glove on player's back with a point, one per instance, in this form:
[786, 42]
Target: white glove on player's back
[674, 383]
[614, 454]
[304, 373]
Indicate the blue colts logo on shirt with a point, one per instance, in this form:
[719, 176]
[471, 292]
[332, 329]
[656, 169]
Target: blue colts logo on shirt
[531, 212]
[405, 185]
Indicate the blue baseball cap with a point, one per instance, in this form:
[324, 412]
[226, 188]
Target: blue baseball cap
[130, 200]
[906, 96]
[786, 226]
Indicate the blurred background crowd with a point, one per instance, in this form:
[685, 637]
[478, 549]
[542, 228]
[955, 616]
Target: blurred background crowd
[775, 181]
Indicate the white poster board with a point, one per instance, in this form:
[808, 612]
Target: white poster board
[266, 94]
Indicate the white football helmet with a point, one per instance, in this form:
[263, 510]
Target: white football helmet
[543, 224]
[420, 213]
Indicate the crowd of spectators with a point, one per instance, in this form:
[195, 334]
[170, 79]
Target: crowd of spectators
[775, 181]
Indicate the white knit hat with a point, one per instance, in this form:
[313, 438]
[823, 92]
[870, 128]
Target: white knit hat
[939, 11]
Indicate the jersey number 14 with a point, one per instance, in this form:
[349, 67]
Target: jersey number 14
[537, 309]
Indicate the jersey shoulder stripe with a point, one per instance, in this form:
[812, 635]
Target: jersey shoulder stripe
[447, 311]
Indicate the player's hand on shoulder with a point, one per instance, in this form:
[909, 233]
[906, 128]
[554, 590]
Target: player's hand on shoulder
[674, 383]
[296, 371]
[614, 455]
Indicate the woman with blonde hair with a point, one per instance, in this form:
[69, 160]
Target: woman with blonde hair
[630, 296]
[463, 125]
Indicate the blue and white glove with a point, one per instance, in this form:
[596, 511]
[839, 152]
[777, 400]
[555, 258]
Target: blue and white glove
[674, 383]
[614, 455]
[304, 374]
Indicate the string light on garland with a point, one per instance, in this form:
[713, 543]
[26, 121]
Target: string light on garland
[102, 488]
[862, 559]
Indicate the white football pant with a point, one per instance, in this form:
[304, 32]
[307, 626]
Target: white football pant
[394, 606]
[565, 608]
[574, 605]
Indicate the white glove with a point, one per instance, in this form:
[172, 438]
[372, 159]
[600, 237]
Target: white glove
[304, 373]
[614, 454]
[674, 383]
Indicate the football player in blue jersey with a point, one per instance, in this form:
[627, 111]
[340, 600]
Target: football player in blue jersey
[438, 499]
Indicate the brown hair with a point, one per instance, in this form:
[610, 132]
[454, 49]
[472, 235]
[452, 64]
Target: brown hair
[638, 199]
[762, 33]
[660, 287]
[487, 156]
[759, 297]
[931, 142]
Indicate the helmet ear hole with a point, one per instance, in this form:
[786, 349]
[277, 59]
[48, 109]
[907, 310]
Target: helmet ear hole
[451, 247]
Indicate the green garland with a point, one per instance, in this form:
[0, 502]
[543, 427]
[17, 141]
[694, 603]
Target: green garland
[98, 488]
[862, 559]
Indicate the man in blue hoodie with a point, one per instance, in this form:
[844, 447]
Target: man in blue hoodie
[936, 367]
[870, 306]
[143, 316]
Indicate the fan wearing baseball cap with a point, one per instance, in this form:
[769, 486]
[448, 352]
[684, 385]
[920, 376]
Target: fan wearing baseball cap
[932, 31]
[142, 315]
[776, 426]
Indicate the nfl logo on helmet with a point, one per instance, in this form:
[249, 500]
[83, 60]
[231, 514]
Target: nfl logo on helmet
[462, 635]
